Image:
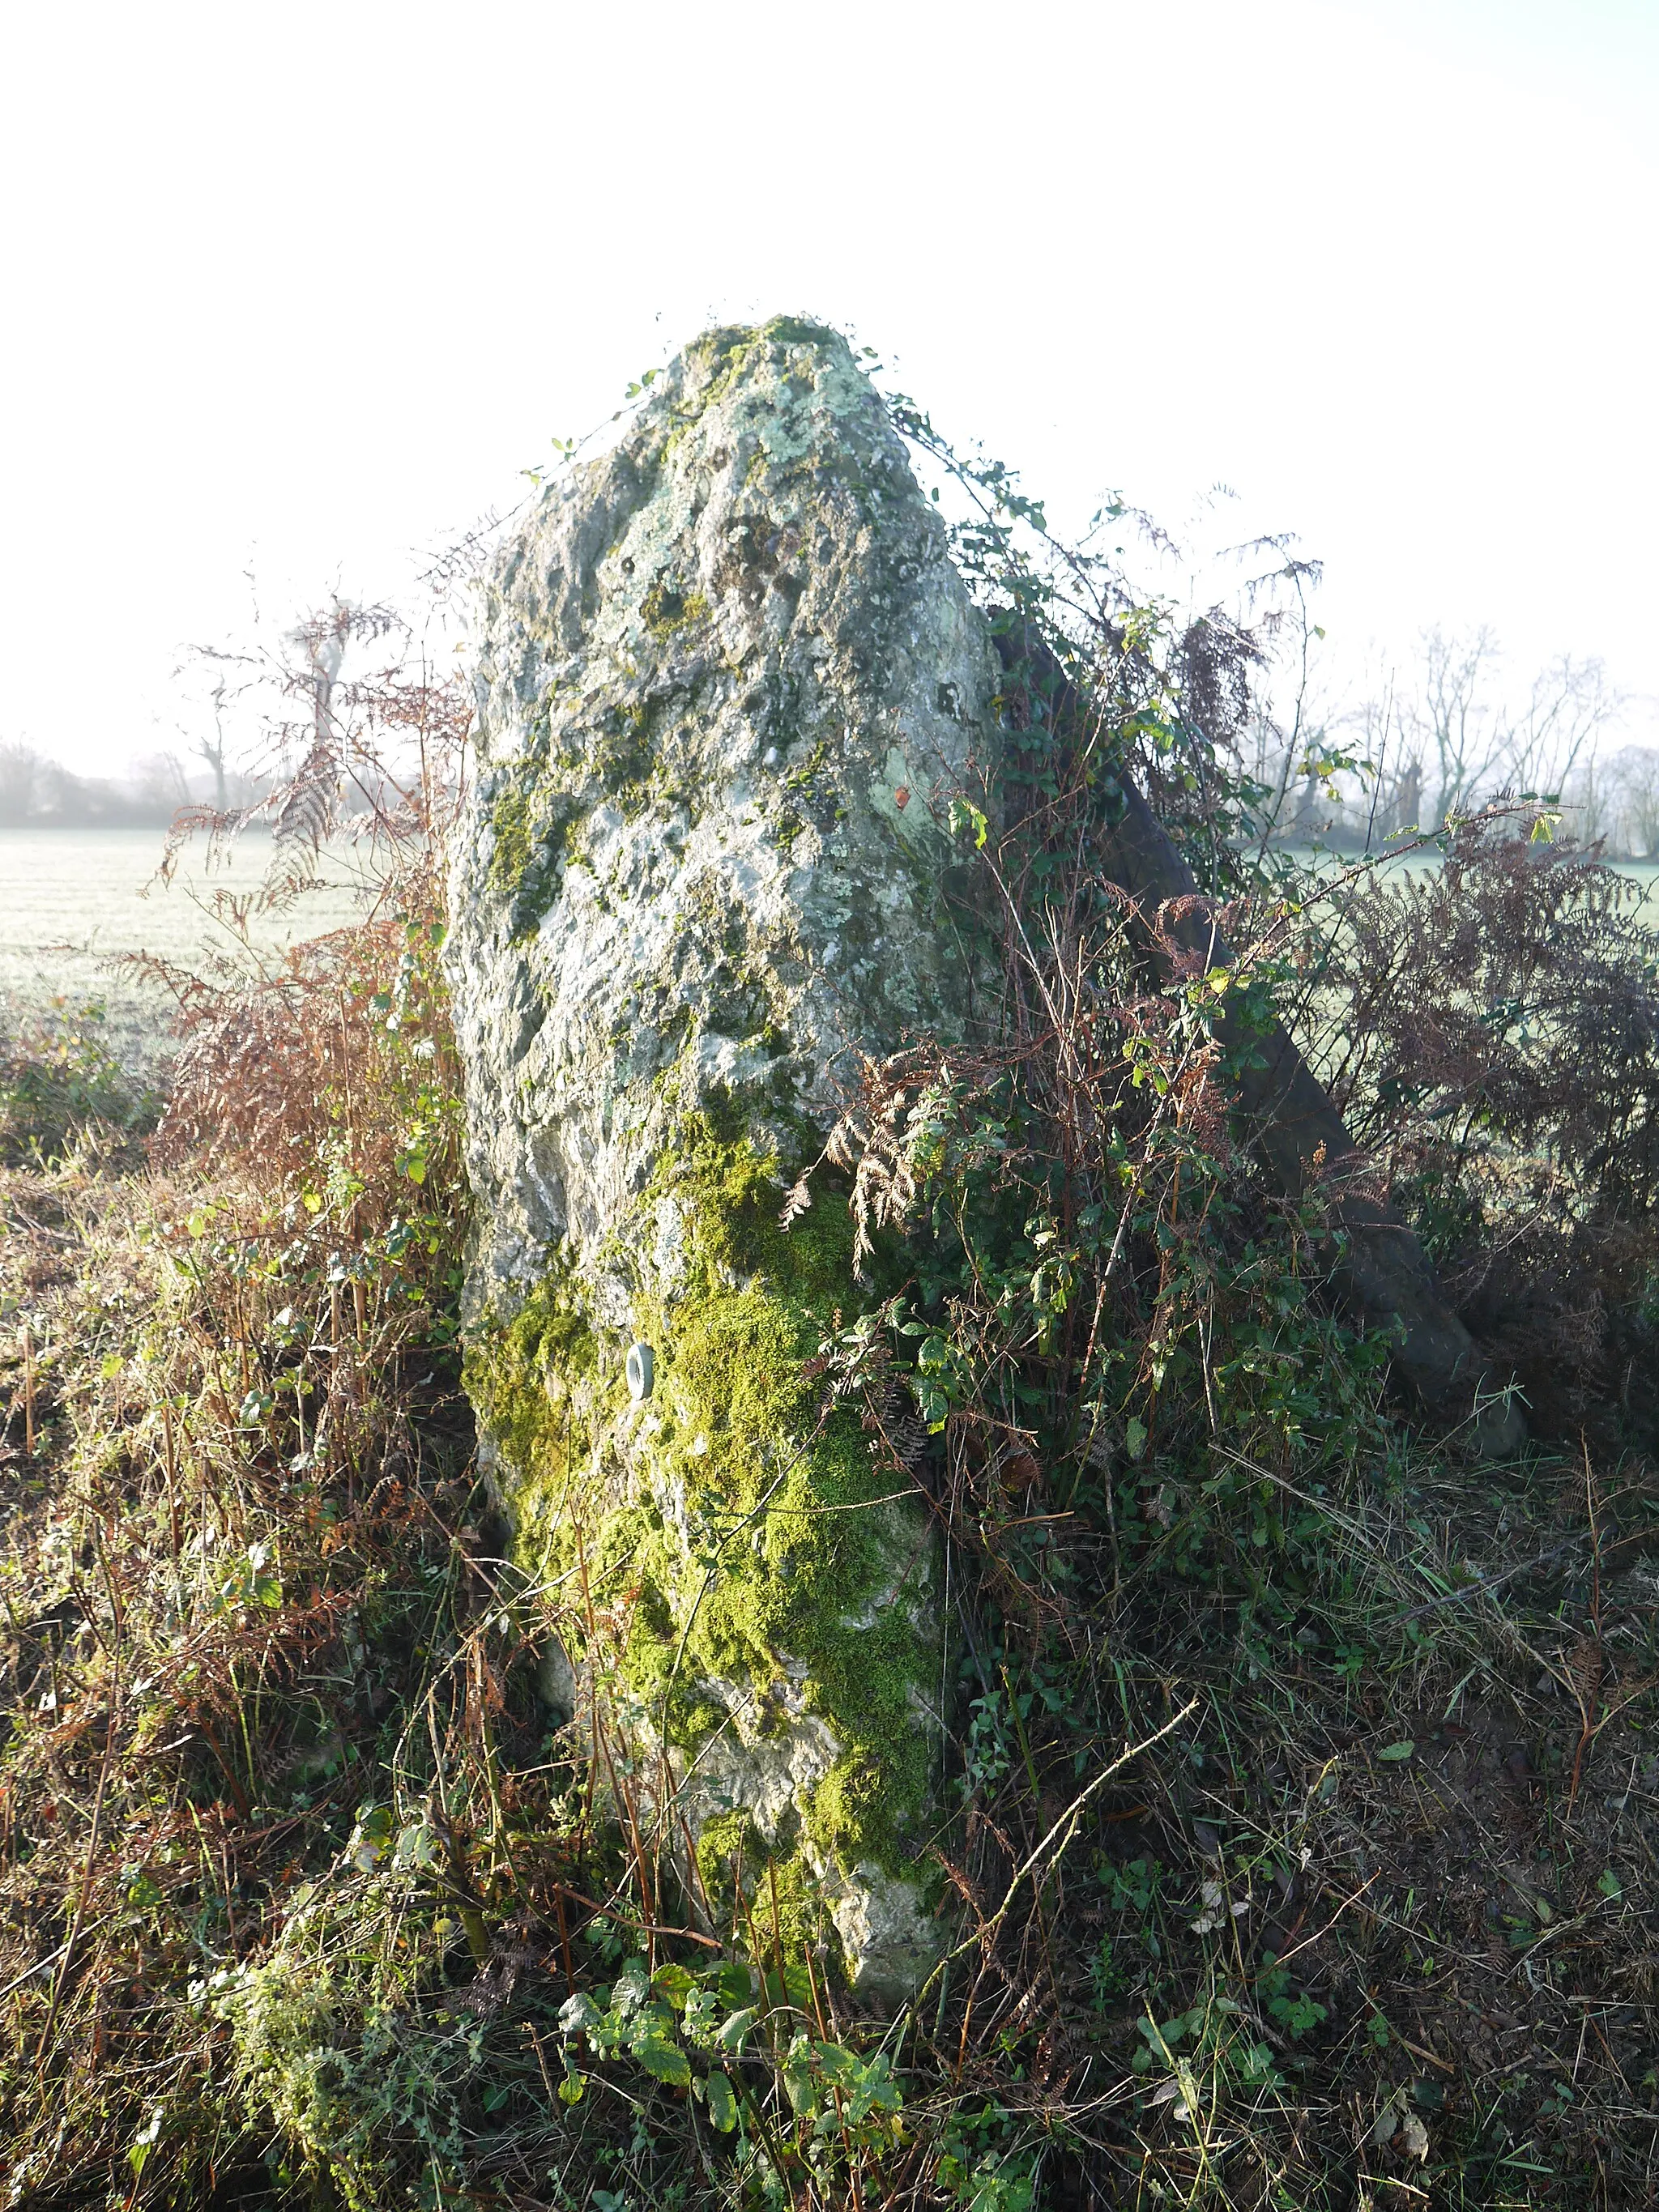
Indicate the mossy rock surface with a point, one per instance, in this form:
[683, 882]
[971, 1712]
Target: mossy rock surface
[729, 683]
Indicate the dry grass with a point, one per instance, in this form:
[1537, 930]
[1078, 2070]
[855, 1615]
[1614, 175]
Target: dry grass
[217, 1661]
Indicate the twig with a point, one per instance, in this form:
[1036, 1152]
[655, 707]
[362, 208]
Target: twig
[1488, 1582]
[1330, 1923]
[1071, 1814]
[62, 1976]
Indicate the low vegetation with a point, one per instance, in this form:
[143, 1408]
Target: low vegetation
[1294, 1824]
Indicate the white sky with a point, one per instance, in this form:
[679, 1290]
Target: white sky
[306, 286]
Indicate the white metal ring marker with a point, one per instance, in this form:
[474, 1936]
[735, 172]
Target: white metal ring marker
[642, 1370]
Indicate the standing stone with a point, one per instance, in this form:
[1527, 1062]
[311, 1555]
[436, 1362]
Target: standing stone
[728, 681]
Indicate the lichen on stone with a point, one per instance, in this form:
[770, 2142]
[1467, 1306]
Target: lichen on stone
[728, 683]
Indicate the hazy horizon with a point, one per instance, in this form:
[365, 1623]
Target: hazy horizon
[297, 303]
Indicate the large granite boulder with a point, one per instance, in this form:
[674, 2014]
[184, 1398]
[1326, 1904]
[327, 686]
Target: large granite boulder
[728, 681]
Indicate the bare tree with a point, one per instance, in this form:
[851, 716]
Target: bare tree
[1462, 738]
[19, 769]
[1570, 704]
[1395, 806]
[318, 647]
[329, 751]
[1408, 798]
[212, 750]
[159, 782]
[1633, 782]
[1447, 721]
[1592, 801]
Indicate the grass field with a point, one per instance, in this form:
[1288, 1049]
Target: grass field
[73, 901]
[1644, 873]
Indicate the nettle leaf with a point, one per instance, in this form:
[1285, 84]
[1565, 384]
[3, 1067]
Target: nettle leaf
[843, 2069]
[792, 1987]
[798, 2077]
[866, 2083]
[631, 1987]
[419, 1846]
[664, 2059]
[738, 2026]
[700, 2022]
[673, 1984]
[735, 1983]
[722, 2103]
[578, 2012]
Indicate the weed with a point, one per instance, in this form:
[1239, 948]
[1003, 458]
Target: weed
[59, 1083]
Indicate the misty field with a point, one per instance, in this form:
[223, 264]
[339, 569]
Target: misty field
[72, 903]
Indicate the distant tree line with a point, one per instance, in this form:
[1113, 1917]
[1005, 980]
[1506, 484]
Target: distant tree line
[1443, 733]
[37, 792]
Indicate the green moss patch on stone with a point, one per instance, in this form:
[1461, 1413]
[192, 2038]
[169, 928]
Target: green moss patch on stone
[536, 1381]
[624, 755]
[783, 1562]
[741, 1881]
[726, 356]
[666, 609]
[534, 827]
[747, 1539]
